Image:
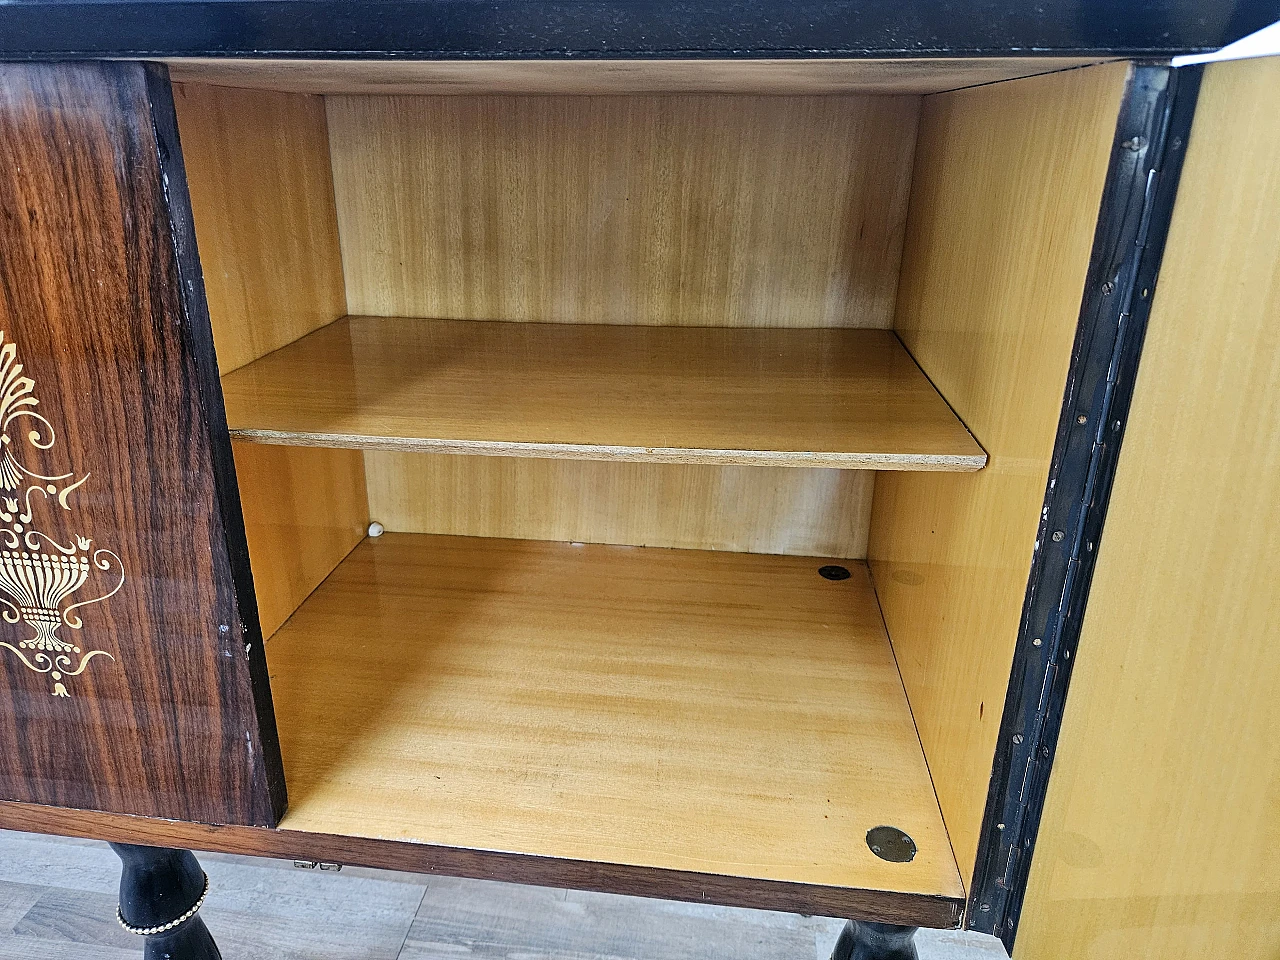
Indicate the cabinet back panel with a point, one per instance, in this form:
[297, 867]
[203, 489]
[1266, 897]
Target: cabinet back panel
[686, 210]
[262, 198]
[750, 509]
[1008, 182]
[1168, 743]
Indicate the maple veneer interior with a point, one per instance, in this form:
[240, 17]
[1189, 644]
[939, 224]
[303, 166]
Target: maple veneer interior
[545, 340]
[818, 397]
[725, 713]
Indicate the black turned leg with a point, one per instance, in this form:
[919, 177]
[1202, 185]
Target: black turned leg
[863, 940]
[161, 891]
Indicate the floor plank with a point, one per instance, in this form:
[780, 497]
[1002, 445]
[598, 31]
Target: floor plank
[75, 916]
[538, 924]
[24, 948]
[15, 900]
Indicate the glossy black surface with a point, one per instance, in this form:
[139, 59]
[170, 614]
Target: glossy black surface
[863, 940]
[157, 887]
[446, 29]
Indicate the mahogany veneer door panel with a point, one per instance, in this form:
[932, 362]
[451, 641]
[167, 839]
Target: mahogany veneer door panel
[131, 671]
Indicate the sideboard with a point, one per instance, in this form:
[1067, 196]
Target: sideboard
[821, 460]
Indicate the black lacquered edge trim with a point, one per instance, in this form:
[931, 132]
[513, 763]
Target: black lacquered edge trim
[574, 29]
[199, 334]
[1133, 222]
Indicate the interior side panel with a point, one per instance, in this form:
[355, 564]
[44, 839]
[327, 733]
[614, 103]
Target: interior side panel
[1008, 180]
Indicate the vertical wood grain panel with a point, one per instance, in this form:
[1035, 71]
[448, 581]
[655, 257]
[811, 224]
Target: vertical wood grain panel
[262, 197]
[698, 211]
[753, 509]
[1007, 187]
[1162, 820]
[262, 193]
[304, 509]
[724, 76]
[100, 294]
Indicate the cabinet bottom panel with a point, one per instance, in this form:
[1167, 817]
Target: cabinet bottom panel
[731, 717]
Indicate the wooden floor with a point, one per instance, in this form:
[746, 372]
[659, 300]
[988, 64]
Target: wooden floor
[58, 899]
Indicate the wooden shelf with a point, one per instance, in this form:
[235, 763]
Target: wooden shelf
[815, 398]
[689, 724]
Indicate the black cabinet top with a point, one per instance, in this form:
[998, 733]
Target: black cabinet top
[457, 29]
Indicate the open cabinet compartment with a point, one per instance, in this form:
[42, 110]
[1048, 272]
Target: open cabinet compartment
[710, 435]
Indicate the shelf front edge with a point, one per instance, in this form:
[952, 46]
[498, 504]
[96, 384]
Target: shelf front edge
[623, 454]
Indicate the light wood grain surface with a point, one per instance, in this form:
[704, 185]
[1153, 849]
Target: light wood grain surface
[1007, 186]
[262, 197]
[727, 713]
[304, 510]
[1162, 821]
[750, 509]
[822, 398]
[702, 211]
[915, 75]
